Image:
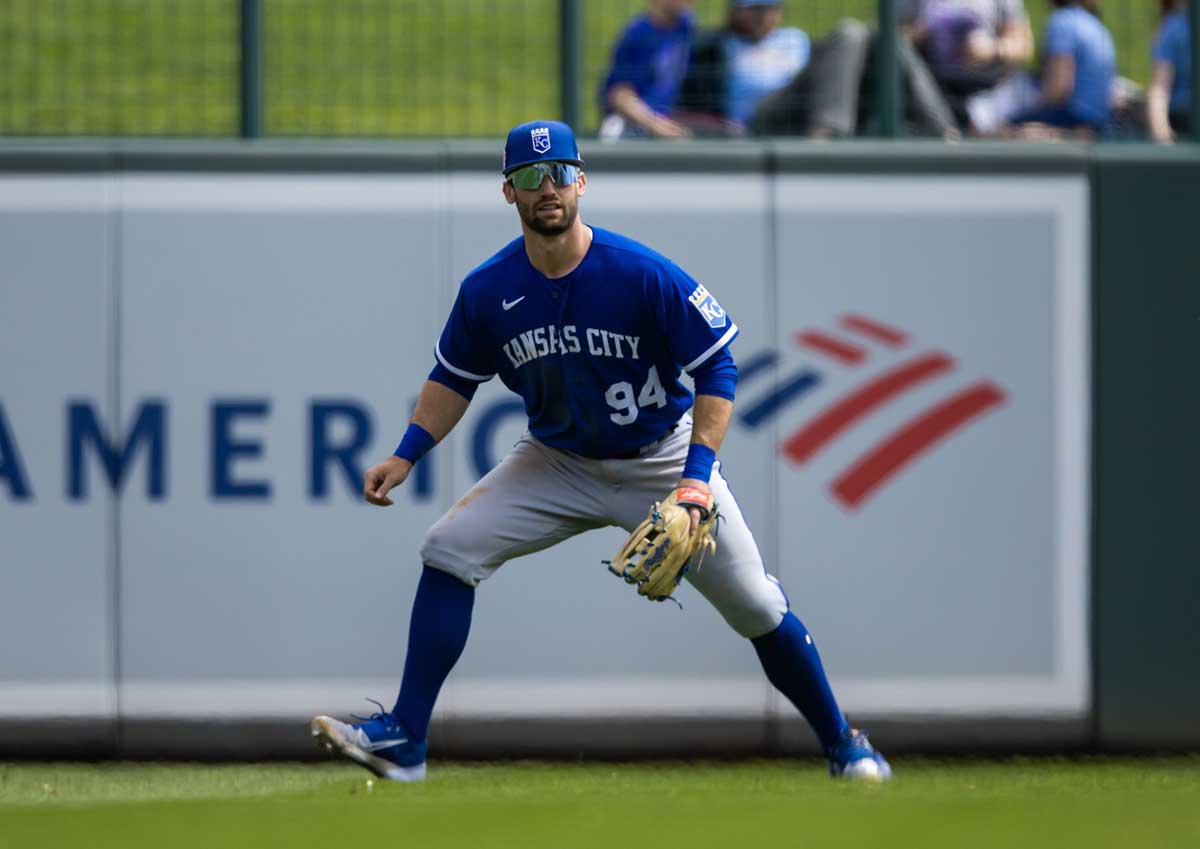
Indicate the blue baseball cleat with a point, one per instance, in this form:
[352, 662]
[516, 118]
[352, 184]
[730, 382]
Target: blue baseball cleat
[379, 743]
[853, 757]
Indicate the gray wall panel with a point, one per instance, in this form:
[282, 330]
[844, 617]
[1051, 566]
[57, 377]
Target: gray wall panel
[55, 551]
[268, 295]
[951, 590]
[953, 560]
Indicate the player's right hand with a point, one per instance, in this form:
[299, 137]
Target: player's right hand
[380, 479]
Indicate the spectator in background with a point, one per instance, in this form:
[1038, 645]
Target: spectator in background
[761, 56]
[1077, 75]
[1169, 98]
[754, 75]
[732, 69]
[971, 46]
[835, 95]
[648, 65]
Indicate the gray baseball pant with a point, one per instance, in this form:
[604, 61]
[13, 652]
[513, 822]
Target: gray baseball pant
[538, 496]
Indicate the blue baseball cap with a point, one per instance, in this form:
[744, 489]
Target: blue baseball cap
[540, 141]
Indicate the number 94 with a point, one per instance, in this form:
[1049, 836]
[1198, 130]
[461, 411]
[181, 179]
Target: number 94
[620, 397]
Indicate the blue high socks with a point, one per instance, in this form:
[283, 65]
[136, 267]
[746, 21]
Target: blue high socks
[437, 634]
[793, 665]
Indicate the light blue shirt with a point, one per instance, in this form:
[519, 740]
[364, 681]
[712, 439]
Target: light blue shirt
[1173, 44]
[1079, 34]
[758, 68]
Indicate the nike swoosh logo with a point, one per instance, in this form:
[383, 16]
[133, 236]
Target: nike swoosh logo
[509, 305]
[385, 744]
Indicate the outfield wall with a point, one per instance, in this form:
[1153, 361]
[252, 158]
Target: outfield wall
[203, 348]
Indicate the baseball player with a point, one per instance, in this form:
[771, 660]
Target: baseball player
[592, 330]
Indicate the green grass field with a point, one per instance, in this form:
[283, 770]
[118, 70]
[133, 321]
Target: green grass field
[387, 68]
[1127, 803]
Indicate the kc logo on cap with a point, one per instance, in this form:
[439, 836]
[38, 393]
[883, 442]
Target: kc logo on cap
[540, 140]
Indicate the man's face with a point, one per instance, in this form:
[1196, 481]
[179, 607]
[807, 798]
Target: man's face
[548, 210]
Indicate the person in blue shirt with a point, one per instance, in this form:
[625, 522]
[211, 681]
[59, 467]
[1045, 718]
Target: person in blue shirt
[648, 65]
[1077, 75]
[593, 331]
[1169, 97]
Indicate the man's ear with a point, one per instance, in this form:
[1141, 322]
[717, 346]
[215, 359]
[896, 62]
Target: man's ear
[510, 194]
[581, 183]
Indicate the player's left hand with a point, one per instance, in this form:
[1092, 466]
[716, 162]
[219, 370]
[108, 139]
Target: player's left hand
[662, 549]
[695, 511]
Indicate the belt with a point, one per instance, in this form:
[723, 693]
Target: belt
[634, 453]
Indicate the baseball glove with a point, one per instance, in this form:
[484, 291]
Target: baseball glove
[660, 552]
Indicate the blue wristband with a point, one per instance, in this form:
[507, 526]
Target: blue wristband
[416, 443]
[699, 463]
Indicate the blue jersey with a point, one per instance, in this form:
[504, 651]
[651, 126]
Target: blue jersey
[596, 355]
[652, 60]
[1173, 44]
[1080, 34]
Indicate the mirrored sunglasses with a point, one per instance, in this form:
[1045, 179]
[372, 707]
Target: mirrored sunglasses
[531, 176]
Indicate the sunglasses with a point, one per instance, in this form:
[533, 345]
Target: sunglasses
[531, 176]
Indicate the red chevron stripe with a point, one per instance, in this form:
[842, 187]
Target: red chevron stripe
[804, 443]
[873, 469]
[831, 346]
[872, 329]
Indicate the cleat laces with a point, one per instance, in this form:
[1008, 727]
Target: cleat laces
[384, 717]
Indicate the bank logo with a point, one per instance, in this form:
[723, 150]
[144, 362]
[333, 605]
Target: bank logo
[855, 343]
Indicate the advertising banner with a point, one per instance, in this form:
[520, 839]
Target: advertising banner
[228, 353]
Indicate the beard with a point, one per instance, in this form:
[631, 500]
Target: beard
[544, 228]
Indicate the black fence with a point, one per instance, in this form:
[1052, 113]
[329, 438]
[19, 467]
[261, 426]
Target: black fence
[366, 68]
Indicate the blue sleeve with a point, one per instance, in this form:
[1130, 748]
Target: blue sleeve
[695, 325]
[463, 347]
[1160, 52]
[1170, 41]
[452, 381]
[717, 375]
[632, 60]
[1060, 36]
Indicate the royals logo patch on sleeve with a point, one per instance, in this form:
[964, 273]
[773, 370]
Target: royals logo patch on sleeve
[702, 300]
